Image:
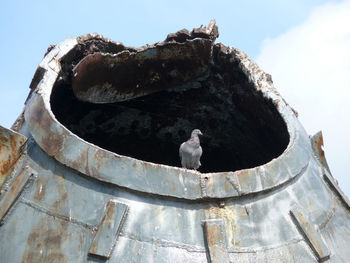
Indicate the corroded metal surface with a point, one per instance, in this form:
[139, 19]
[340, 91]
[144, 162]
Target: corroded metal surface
[10, 149]
[106, 78]
[60, 212]
[108, 230]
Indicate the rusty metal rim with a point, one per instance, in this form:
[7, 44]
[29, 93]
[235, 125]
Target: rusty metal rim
[89, 159]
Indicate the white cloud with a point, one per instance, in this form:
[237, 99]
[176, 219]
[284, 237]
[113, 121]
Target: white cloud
[310, 66]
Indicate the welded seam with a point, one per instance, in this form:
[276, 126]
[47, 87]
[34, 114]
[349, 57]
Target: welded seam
[253, 197]
[163, 243]
[265, 248]
[26, 184]
[199, 249]
[234, 184]
[329, 215]
[56, 215]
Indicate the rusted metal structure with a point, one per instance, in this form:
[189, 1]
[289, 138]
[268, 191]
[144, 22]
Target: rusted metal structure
[90, 170]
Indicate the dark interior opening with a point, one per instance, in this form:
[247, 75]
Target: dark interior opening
[242, 129]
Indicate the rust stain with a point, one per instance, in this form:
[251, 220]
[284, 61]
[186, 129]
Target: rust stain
[227, 186]
[61, 202]
[10, 146]
[44, 243]
[110, 214]
[51, 142]
[101, 159]
[81, 161]
[212, 233]
[231, 215]
[319, 144]
[134, 166]
[108, 219]
[244, 177]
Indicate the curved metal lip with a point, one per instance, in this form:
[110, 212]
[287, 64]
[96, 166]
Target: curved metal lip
[69, 149]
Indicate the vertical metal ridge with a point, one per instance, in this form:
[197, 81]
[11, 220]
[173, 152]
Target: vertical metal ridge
[317, 144]
[313, 237]
[335, 188]
[216, 240]
[108, 230]
[18, 185]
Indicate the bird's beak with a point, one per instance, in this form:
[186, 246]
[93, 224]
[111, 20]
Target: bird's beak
[200, 133]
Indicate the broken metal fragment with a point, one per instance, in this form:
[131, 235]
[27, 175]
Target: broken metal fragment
[108, 78]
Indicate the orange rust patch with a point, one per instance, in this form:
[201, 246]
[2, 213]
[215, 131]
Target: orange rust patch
[10, 145]
[319, 144]
[5, 165]
[3, 140]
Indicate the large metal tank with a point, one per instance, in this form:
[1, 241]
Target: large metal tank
[90, 171]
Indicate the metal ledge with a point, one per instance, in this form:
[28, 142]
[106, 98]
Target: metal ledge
[138, 175]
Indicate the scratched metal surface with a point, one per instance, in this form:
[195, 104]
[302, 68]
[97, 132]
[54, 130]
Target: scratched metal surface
[57, 216]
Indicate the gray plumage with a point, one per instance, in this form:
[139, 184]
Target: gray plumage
[191, 151]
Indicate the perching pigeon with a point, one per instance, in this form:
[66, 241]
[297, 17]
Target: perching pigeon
[191, 151]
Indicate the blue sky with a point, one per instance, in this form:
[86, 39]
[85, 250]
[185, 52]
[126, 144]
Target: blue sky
[273, 32]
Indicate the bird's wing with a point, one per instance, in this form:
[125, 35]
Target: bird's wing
[186, 151]
[196, 155]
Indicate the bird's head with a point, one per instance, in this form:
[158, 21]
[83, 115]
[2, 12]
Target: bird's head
[196, 132]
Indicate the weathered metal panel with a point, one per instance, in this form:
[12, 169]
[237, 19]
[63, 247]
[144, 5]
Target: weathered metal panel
[30, 235]
[58, 218]
[10, 149]
[216, 240]
[108, 230]
[18, 185]
[313, 237]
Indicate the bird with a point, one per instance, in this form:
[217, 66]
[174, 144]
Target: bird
[191, 151]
